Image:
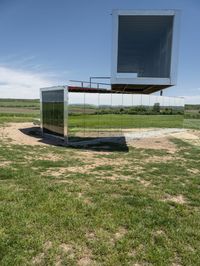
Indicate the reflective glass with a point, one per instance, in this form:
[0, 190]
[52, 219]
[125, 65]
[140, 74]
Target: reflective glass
[92, 115]
[53, 112]
[76, 114]
[144, 45]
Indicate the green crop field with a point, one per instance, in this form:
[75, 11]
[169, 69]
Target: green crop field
[104, 205]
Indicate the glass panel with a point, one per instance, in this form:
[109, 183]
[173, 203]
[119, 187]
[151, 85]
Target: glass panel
[116, 116]
[126, 113]
[91, 114]
[113, 114]
[137, 111]
[76, 114]
[144, 45]
[53, 112]
[105, 116]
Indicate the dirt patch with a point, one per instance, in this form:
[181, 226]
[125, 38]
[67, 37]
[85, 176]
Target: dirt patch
[101, 173]
[155, 158]
[12, 131]
[15, 133]
[86, 258]
[85, 261]
[37, 260]
[56, 172]
[190, 136]
[67, 249]
[163, 143]
[4, 163]
[47, 157]
[48, 245]
[58, 261]
[50, 157]
[91, 236]
[180, 199]
[120, 233]
[89, 167]
[159, 233]
[193, 171]
[62, 181]
[144, 182]
[88, 201]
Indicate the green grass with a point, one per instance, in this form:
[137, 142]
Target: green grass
[19, 110]
[192, 123]
[20, 103]
[17, 117]
[125, 121]
[109, 208]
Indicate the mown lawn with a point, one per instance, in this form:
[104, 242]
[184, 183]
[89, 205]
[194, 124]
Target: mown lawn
[64, 206]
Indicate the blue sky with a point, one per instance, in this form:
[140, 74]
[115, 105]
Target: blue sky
[48, 42]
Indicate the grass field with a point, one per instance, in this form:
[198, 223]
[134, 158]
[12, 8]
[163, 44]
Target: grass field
[74, 207]
[125, 121]
[64, 206]
[12, 110]
[27, 110]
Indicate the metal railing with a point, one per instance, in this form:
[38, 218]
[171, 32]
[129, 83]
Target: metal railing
[90, 84]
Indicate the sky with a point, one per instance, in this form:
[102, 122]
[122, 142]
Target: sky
[49, 42]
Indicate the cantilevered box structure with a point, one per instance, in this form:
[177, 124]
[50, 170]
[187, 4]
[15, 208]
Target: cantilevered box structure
[75, 114]
[144, 60]
[144, 50]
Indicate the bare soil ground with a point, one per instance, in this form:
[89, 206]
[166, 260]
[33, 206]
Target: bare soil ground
[17, 134]
[13, 132]
[157, 143]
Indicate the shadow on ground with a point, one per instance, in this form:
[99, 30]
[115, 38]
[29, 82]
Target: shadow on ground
[108, 144]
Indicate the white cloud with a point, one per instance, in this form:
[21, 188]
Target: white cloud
[18, 83]
[21, 84]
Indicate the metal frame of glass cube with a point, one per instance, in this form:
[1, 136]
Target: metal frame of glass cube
[79, 115]
[143, 41]
[48, 96]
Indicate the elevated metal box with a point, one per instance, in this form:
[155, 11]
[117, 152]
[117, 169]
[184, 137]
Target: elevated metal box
[80, 115]
[144, 50]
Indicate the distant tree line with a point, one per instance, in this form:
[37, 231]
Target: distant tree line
[156, 109]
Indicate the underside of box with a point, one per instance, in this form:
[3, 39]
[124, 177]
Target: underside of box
[141, 89]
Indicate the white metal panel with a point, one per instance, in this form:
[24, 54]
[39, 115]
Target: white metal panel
[116, 100]
[145, 100]
[137, 99]
[127, 100]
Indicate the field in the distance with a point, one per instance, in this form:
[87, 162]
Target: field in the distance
[19, 110]
[28, 110]
[102, 205]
